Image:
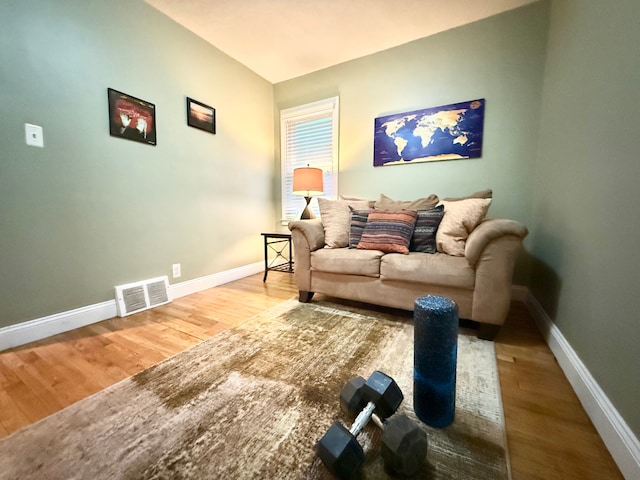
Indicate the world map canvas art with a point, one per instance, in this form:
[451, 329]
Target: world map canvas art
[448, 132]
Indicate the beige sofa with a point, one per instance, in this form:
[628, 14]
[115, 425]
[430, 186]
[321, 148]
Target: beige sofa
[479, 280]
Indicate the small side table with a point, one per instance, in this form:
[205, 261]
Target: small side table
[280, 244]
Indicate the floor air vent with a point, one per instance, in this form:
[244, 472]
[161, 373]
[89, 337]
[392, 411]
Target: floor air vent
[138, 296]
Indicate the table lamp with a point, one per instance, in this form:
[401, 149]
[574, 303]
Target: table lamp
[307, 181]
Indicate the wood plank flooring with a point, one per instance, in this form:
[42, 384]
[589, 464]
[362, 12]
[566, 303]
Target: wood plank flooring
[549, 434]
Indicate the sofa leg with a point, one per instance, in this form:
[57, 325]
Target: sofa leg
[488, 331]
[305, 297]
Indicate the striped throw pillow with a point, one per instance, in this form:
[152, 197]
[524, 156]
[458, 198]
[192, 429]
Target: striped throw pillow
[388, 231]
[358, 222]
[424, 233]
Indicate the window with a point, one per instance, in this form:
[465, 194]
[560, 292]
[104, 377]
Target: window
[309, 137]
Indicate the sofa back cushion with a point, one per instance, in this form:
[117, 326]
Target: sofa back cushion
[388, 231]
[386, 203]
[488, 193]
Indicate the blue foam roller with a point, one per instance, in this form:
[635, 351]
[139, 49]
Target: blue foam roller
[434, 361]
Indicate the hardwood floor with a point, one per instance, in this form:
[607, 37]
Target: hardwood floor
[549, 434]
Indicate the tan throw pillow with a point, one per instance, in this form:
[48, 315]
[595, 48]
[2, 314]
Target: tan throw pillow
[336, 219]
[386, 203]
[460, 218]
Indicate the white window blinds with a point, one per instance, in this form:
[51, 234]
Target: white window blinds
[309, 137]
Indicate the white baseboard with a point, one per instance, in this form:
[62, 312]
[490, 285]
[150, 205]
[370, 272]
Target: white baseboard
[26, 332]
[616, 434]
[183, 289]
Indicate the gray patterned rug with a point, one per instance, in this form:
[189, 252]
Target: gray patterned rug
[253, 401]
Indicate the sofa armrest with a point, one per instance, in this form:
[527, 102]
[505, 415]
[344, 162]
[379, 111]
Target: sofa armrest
[307, 236]
[312, 231]
[489, 230]
[491, 250]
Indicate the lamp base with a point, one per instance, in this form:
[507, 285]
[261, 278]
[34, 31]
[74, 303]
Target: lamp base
[307, 214]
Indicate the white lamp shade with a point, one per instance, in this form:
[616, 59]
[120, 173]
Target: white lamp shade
[307, 181]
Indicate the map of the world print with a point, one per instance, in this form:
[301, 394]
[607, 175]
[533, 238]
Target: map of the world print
[448, 132]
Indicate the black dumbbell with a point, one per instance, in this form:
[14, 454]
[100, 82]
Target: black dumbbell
[404, 444]
[338, 448]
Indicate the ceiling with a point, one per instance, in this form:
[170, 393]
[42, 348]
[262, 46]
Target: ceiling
[283, 39]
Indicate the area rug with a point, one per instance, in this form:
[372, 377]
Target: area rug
[252, 402]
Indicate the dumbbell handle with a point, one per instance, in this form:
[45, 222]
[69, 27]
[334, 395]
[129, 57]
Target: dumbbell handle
[363, 418]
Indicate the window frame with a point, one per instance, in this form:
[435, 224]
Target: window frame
[292, 205]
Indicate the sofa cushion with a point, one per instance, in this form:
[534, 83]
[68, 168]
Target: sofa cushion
[336, 217]
[424, 233]
[460, 218]
[488, 193]
[388, 231]
[358, 222]
[372, 203]
[347, 261]
[437, 269]
[386, 203]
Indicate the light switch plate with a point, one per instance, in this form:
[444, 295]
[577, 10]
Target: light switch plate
[33, 135]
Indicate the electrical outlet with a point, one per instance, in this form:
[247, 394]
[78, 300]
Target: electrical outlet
[33, 135]
[176, 270]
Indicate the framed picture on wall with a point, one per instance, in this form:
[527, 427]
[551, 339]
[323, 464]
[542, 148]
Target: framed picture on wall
[131, 118]
[201, 116]
[447, 132]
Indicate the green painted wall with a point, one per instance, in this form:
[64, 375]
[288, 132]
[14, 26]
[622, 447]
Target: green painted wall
[90, 211]
[585, 226]
[500, 59]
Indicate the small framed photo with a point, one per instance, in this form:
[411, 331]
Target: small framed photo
[131, 118]
[201, 116]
